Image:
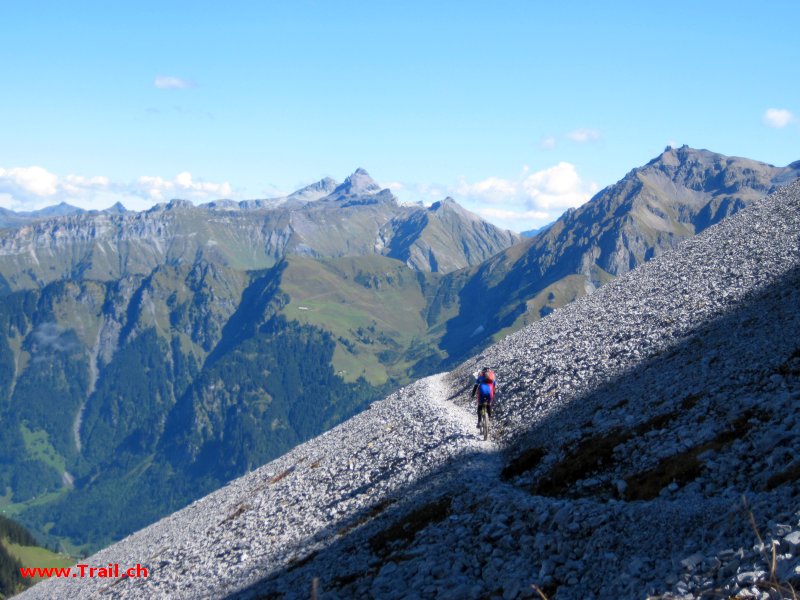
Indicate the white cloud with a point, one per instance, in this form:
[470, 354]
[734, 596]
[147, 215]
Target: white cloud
[77, 186]
[28, 180]
[31, 188]
[394, 186]
[584, 136]
[778, 117]
[557, 188]
[527, 201]
[548, 143]
[166, 82]
[491, 189]
[183, 185]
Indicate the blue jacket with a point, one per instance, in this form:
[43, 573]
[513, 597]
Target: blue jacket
[485, 392]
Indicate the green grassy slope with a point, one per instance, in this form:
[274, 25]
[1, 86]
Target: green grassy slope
[374, 307]
[18, 548]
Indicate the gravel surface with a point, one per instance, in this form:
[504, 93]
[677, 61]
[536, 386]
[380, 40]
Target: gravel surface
[645, 445]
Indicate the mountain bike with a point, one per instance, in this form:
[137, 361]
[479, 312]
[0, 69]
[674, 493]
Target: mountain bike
[484, 421]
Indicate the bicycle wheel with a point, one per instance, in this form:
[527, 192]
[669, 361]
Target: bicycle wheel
[485, 423]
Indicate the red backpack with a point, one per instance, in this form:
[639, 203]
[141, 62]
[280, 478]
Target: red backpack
[488, 376]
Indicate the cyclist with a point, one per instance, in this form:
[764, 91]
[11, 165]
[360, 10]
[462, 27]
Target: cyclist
[485, 384]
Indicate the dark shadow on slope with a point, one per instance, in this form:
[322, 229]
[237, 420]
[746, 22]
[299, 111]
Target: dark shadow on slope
[387, 530]
[497, 293]
[715, 211]
[407, 233]
[769, 314]
[5, 287]
[134, 308]
[252, 311]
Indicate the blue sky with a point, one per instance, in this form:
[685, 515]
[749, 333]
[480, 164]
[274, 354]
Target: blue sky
[516, 109]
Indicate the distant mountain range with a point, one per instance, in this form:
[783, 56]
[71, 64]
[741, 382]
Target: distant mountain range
[11, 219]
[325, 220]
[534, 232]
[146, 358]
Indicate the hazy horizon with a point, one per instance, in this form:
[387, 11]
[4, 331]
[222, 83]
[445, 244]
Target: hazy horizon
[518, 111]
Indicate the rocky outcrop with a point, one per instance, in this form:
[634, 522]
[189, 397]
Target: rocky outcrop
[442, 237]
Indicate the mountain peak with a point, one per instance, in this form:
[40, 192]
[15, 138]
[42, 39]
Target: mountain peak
[57, 210]
[178, 203]
[327, 182]
[317, 190]
[118, 208]
[673, 154]
[699, 169]
[359, 183]
[686, 155]
[449, 206]
[447, 203]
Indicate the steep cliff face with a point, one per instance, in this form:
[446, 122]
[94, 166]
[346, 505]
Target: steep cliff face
[651, 210]
[424, 240]
[675, 196]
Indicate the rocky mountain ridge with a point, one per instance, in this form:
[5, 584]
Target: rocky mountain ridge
[649, 211]
[324, 220]
[629, 426]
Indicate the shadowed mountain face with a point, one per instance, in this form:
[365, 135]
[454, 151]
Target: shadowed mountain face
[652, 209]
